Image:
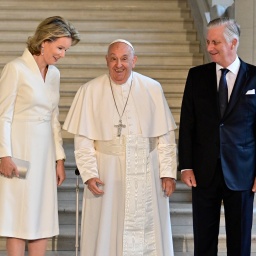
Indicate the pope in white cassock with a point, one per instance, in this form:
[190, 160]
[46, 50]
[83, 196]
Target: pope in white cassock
[125, 151]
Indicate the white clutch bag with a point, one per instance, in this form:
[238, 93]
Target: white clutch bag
[22, 166]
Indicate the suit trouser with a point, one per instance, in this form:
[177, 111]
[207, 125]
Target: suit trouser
[238, 207]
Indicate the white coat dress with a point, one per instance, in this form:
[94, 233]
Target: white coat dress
[30, 130]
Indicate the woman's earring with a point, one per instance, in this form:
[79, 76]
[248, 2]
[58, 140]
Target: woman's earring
[42, 51]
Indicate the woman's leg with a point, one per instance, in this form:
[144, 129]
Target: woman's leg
[15, 246]
[37, 247]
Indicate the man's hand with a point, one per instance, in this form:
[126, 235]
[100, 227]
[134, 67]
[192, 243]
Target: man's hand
[168, 185]
[254, 186]
[188, 177]
[93, 184]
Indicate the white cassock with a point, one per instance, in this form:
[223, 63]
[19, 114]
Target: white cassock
[30, 130]
[132, 217]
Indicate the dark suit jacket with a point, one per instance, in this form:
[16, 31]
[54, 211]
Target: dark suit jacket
[204, 136]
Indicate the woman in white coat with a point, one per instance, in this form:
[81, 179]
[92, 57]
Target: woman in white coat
[30, 130]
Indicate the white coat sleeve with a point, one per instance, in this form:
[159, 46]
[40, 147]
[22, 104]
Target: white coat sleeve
[167, 153]
[8, 93]
[59, 151]
[85, 156]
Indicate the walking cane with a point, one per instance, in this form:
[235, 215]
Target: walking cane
[77, 210]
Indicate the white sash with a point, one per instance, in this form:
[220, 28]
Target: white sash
[139, 235]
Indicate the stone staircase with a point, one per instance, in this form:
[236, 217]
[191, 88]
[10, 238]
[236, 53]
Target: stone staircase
[165, 41]
[162, 33]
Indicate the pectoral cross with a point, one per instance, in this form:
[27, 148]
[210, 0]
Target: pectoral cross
[119, 126]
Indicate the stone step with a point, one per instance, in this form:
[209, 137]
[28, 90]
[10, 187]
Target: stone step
[110, 25]
[143, 46]
[183, 240]
[94, 5]
[68, 145]
[186, 59]
[101, 47]
[90, 14]
[105, 36]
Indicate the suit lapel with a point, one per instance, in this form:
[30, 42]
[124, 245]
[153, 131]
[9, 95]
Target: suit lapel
[239, 87]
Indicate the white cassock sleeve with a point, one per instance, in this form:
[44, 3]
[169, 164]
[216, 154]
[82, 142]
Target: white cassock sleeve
[85, 158]
[59, 151]
[167, 153]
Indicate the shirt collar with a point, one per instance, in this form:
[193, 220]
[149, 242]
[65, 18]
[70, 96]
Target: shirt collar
[233, 67]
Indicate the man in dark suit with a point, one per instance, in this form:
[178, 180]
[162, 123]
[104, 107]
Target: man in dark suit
[217, 143]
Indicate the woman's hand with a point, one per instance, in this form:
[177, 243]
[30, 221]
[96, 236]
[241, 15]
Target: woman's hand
[8, 167]
[60, 172]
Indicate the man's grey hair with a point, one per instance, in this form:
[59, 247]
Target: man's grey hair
[232, 29]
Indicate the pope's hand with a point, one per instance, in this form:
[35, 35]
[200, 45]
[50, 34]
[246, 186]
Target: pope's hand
[168, 185]
[93, 185]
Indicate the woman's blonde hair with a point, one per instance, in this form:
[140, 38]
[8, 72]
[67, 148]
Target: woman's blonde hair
[51, 29]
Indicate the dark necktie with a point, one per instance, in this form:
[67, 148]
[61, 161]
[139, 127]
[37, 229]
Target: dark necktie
[223, 91]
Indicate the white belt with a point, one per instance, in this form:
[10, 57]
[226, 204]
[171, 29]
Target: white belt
[117, 146]
[33, 118]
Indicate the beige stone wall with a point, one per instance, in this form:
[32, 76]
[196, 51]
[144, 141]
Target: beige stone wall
[244, 15]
